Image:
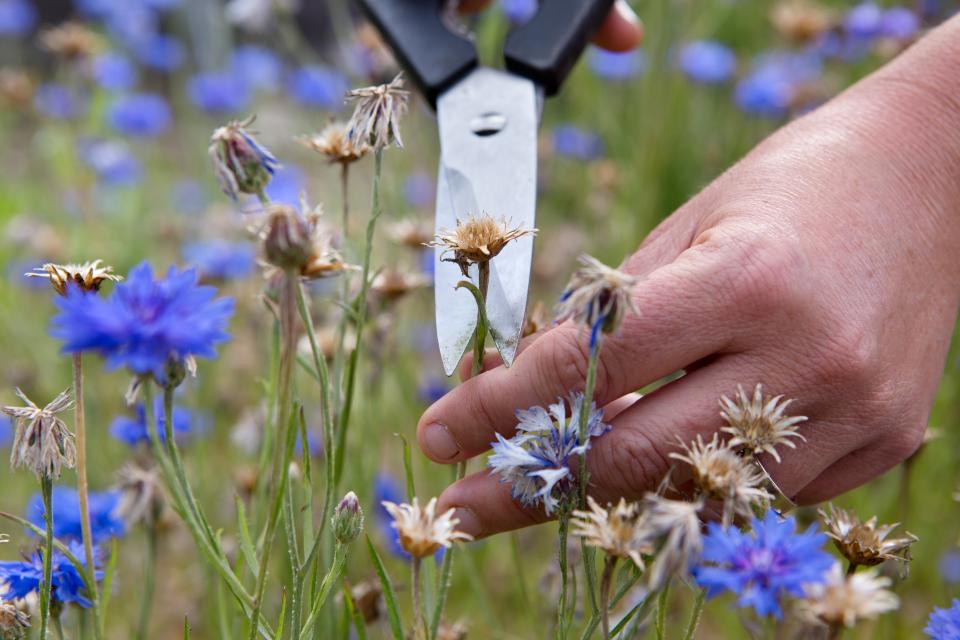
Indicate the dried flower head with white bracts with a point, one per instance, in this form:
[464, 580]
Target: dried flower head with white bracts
[410, 232]
[597, 297]
[865, 543]
[376, 118]
[335, 145]
[299, 241]
[42, 443]
[843, 600]
[476, 240]
[616, 530]
[141, 494]
[720, 474]
[393, 283]
[537, 460]
[242, 164]
[757, 425]
[13, 621]
[673, 529]
[70, 40]
[88, 276]
[422, 532]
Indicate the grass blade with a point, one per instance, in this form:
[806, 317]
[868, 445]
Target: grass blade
[389, 595]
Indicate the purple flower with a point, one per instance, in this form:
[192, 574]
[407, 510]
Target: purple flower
[944, 624]
[57, 101]
[133, 431]
[23, 578]
[617, 66]
[104, 524]
[218, 93]
[160, 53]
[573, 142]
[419, 189]
[518, 11]
[17, 17]
[318, 87]
[113, 72]
[950, 566]
[221, 260]
[707, 62]
[112, 161]
[899, 23]
[142, 115]
[145, 323]
[772, 84]
[864, 21]
[257, 66]
[763, 566]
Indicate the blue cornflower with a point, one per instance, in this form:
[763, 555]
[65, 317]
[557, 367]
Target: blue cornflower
[160, 53]
[387, 489]
[112, 161]
[864, 21]
[218, 92]
[765, 565]
[57, 101]
[944, 624]
[572, 141]
[536, 461]
[221, 260]
[318, 87]
[419, 189]
[113, 71]
[774, 80]
[145, 324]
[432, 389]
[257, 66]
[617, 66]
[707, 62]
[23, 578]
[314, 444]
[17, 17]
[104, 523]
[950, 566]
[6, 431]
[286, 186]
[133, 430]
[518, 11]
[142, 115]
[900, 23]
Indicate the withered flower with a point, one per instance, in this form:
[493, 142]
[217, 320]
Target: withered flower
[299, 241]
[411, 233]
[334, 144]
[392, 284]
[16, 87]
[843, 600]
[88, 276]
[42, 443]
[801, 20]
[455, 631]
[676, 523]
[242, 164]
[70, 40]
[476, 240]
[422, 532]
[616, 530]
[864, 543]
[376, 118]
[597, 297]
[141, 494]
[13, 621]
[757, 425]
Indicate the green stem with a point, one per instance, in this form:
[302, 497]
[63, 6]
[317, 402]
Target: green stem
[149, 581]
[852, 568]
[419, 625]
[562, 604]
[660, 622]
[58, 627]
[695, 615]
[83, 487]
[345, 196]
[605, 583]
[333, 574]
[480, 335]
[589, 559]
[46, 489]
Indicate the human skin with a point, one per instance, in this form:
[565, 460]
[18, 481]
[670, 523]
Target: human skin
[825, 264]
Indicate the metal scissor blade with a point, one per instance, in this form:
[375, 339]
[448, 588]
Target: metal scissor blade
[488, 141]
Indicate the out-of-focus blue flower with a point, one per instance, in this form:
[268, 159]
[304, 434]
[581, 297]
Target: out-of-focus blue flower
[763, 566]
[950, 566]
[57, 101]
[133, 431]
[162, 5]
[518, 11]
[219, 92]
[113, 72]
[257, 66]
[145, 323]
[944, 624]
[314, 444]
[617, 66]
[772, 84]
[6, 431]
[573, 142]
[899, 23]
[707, 62]
[15, 272]
[112, 161]
[536, 461]
[188, 196]
[837, 45]
[318, 87]
[220, 260]
[432, 389]
[17, 17]
[142, 115]
[287, 184]
[104, 524]
[864, 21]
[23, 578]
[419, 189]
[160, 53]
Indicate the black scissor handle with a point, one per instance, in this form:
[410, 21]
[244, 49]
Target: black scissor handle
[546, 48]
[434, 56]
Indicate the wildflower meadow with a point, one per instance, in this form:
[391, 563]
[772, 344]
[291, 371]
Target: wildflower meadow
[218, 339]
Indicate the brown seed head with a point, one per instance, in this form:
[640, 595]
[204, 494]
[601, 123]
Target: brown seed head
[617, 529]
[376, 118]
[70, 40]
[334, 144]
[801, 20]
[88, 276]
[757, 425]
[865, 543]
[597, 294]
[476, 239]
[42, 443]
[16, 87]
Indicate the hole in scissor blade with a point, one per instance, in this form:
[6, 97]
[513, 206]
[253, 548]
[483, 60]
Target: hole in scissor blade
[488, 124]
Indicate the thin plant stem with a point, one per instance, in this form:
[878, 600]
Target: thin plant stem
[83, 486]
[58, 626]
[660, 621]
[419, 627]
[333, 574]
[562, 558]
[695, 614]
[480, 336]
[149, 581]
[852, 568]
[583, 476]
[606, 581]
[345, 196]
[46, 587]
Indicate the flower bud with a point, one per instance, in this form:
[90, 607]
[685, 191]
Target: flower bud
[288, 240]
[242, 164]
[347, 519]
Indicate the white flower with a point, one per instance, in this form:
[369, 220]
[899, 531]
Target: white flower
[844, 599]
[421, 531]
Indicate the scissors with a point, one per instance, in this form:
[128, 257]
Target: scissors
[488, 120]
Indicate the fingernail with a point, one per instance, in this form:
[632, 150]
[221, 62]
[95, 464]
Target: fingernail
[439, 443]
[469, 522]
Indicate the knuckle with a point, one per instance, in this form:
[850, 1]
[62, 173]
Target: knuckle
[848, 357]
[563, 365]
[629, 466]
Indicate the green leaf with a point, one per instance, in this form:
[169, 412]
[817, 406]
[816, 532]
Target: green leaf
[186, 628]
[407, 467]
[389, 595]
[246, 542]
[358, 622]
[107, 585]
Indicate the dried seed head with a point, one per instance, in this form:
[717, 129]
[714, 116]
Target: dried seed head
[597, 297]
[288, 238]
[865, 543]
[368, 598]
[421, 531]
[801, 20]
[846, 599]
[614, 529]
[476, 239]
[757, 425]
[70, 40]
[42, 443]
[720, 474]
[13, 622]
[392, 284]
[141, 495]
[411, 233]
[347, 519]
[334, 144]
[88, 276]
[455, 631]
[241, 163]
[376, 118]
[676, 523]
[16, 88]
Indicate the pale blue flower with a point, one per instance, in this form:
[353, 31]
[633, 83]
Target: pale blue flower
[113, 72]
[218, 93]
[617, 66]
[518, 11]
[112, 162]
[142, 115]
[257, 66]
[17, 17]
[707, 62]
[944, 624]
[318, 87]
[160, 53]
[573, 142]
[57, 101]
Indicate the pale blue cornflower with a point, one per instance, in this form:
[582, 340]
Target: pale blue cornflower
[113, 71]
[707, 61]
[220, 260]
[160, 52]
[141, 115]
[771, 87]
[571, 141]
[17, 17]
[58, 101]
[763, 566]
[218, 93]
[617, 66]
[518, 11]
[133, 431]
[112, 162]
[318, 87]
[257, 66]
[944, 624]
[537, 460]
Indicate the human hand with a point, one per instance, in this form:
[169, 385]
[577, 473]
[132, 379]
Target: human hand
[825, 264]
